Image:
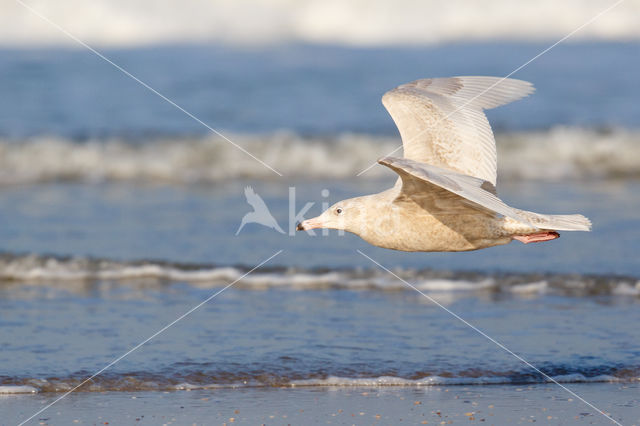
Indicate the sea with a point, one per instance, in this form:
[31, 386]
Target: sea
[120, 213]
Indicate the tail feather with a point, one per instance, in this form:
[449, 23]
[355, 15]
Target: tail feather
[557, 222]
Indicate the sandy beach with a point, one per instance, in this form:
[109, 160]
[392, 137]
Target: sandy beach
[491, 405]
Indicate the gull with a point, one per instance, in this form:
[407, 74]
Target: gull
[445, 198]
[260, 213]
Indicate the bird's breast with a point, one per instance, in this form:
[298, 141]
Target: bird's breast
[416, 229]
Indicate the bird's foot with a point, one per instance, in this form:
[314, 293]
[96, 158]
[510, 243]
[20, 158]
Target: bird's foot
[537, 238]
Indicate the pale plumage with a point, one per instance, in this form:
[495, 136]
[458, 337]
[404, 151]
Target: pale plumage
[445, 198]
[441, 120]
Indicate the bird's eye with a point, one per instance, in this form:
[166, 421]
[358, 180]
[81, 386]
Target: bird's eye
[338, 210]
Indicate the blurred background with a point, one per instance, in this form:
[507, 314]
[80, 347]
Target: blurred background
[94, 164]
[112, 200]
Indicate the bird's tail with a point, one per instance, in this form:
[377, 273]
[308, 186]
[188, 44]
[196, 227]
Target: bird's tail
[557, 222]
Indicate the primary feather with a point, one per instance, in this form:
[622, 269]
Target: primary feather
[442, 123]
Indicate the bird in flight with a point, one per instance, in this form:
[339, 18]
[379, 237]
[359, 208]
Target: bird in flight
[260, 213]
[445, 198]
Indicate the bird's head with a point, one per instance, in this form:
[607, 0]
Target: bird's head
[343, 215]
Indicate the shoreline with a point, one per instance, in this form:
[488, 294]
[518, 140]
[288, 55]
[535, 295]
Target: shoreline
[493, 404]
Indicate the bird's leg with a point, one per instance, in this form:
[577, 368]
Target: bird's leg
[537, 238]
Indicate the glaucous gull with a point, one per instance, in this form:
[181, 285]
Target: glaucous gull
[445, 198]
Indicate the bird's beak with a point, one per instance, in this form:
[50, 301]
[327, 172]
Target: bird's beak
[308, 224]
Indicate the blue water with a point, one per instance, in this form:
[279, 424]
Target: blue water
[198, 224]
[281, 336]
[309, 89]
[91, 268]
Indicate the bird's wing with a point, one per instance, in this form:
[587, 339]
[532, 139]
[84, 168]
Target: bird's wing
[255, 200]
[419, 178]
[441, 120]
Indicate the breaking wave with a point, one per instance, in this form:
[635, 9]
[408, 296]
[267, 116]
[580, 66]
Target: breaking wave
[560, 153]
[75, 274]
[147, 381]
[367, 23]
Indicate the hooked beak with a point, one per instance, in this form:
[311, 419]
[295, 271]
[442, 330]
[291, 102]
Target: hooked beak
[308, 224]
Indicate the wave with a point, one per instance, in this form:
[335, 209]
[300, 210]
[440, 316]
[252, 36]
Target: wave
[75, 273]
[560, 153]
[367, 23]
[147, 381]
[18, 389]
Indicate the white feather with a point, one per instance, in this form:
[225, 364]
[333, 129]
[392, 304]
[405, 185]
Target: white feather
[442, 123]
[467, 187]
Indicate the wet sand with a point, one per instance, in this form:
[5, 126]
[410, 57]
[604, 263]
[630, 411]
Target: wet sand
[547, 404]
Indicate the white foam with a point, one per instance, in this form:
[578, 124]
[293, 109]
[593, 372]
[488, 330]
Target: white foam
[118, 384]
[445, 285]
[536, 287]
[9, 389]
[566, 152]
[32, 268]
[74, 274]
[190, 386]
[626, 289]
[439, 380]
[374, 22]
[561, 153]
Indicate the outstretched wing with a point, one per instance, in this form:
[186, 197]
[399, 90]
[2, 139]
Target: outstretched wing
[419, 178]
[442, 123]
[255, 200]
